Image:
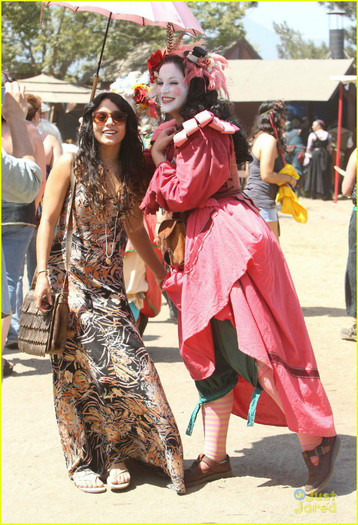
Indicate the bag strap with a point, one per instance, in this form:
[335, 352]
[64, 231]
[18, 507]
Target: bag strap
[69, 229]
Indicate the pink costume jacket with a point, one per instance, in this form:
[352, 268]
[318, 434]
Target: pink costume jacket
[235, 269]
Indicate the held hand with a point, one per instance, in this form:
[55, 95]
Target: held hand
[160, 279]
[163, 140]
[42, 295]
[293, 182]
[15, 103]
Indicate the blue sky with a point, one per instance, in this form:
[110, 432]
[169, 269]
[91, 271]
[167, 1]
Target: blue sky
[309, 18]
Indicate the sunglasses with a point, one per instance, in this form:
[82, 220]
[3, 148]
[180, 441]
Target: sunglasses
[101, 117]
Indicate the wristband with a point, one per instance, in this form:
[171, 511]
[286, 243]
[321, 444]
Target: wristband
[42, 271]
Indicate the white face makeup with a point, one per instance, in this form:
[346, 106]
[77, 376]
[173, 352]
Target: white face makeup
[171, 90]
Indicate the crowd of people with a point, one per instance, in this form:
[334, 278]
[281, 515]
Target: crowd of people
[242, 346]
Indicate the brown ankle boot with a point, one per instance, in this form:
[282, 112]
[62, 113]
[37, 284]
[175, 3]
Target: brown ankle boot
[319, 475]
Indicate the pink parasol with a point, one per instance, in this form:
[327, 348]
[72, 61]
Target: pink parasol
[175, 14]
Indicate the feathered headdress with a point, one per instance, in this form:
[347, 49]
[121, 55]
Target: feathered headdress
[197, 62]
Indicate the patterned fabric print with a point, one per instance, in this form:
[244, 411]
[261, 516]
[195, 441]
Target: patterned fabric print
[109, 401]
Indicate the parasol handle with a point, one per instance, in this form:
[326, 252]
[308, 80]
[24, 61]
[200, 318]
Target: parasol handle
[96, 77]
[94, 87]
[104, 43]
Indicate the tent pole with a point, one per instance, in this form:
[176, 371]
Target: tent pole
[52, 111]
[339, 129]
[96, 77]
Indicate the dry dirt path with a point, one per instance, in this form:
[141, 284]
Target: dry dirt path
[267, 462]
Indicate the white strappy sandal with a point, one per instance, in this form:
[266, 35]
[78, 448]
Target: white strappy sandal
[120, 469]
[88, 476]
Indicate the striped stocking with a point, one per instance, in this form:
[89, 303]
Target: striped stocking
[216, 417]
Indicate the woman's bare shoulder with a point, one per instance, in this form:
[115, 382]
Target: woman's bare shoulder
[65, 161]
[67, 158]
[61, 170]
[266, 138]
[263, 141]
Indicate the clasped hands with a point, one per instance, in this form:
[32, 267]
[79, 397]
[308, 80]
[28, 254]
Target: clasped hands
[161, 143]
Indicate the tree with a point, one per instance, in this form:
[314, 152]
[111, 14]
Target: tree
[28, 47]
[293, 46]
[349, 7]
[67, 44]
[221, 21]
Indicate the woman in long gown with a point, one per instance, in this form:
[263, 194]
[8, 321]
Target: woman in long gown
[241, 328]
[109, 401]
[318, 179]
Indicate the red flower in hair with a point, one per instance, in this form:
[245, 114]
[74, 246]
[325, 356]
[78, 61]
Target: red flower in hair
[140, 94]
[154, 64]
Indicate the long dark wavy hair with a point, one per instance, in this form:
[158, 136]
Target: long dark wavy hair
[200, 98]
[269, 116]
[89, 168]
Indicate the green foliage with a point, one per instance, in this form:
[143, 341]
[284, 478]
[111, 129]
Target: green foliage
[350, 42]
[293, 46]
[221, 21]
[67, 45]
[63, 38]
[349, 7]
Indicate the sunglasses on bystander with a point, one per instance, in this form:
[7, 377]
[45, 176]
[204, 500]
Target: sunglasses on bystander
[100, 117]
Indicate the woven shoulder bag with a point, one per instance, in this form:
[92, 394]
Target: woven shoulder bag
[46, 333]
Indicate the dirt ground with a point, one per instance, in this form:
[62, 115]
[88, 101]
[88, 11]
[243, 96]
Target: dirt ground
[267, 463]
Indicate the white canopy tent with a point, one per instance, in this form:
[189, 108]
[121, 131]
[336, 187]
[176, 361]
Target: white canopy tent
[288, 80]
[54, 91]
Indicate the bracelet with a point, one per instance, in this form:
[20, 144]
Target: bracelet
[43, 271]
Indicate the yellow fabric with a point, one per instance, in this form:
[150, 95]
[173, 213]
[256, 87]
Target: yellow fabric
[288, 198]
[288, 169]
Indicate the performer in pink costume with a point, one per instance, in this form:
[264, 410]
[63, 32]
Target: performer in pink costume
[241, 327]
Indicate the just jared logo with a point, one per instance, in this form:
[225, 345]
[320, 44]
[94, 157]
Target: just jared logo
[317, 503]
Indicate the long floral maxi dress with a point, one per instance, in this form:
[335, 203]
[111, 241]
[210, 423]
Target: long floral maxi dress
[109, 401]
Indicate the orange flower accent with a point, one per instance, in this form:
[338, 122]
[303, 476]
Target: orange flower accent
[204, 62]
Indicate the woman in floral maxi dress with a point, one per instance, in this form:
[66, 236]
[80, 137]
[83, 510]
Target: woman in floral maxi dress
[109, 401]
